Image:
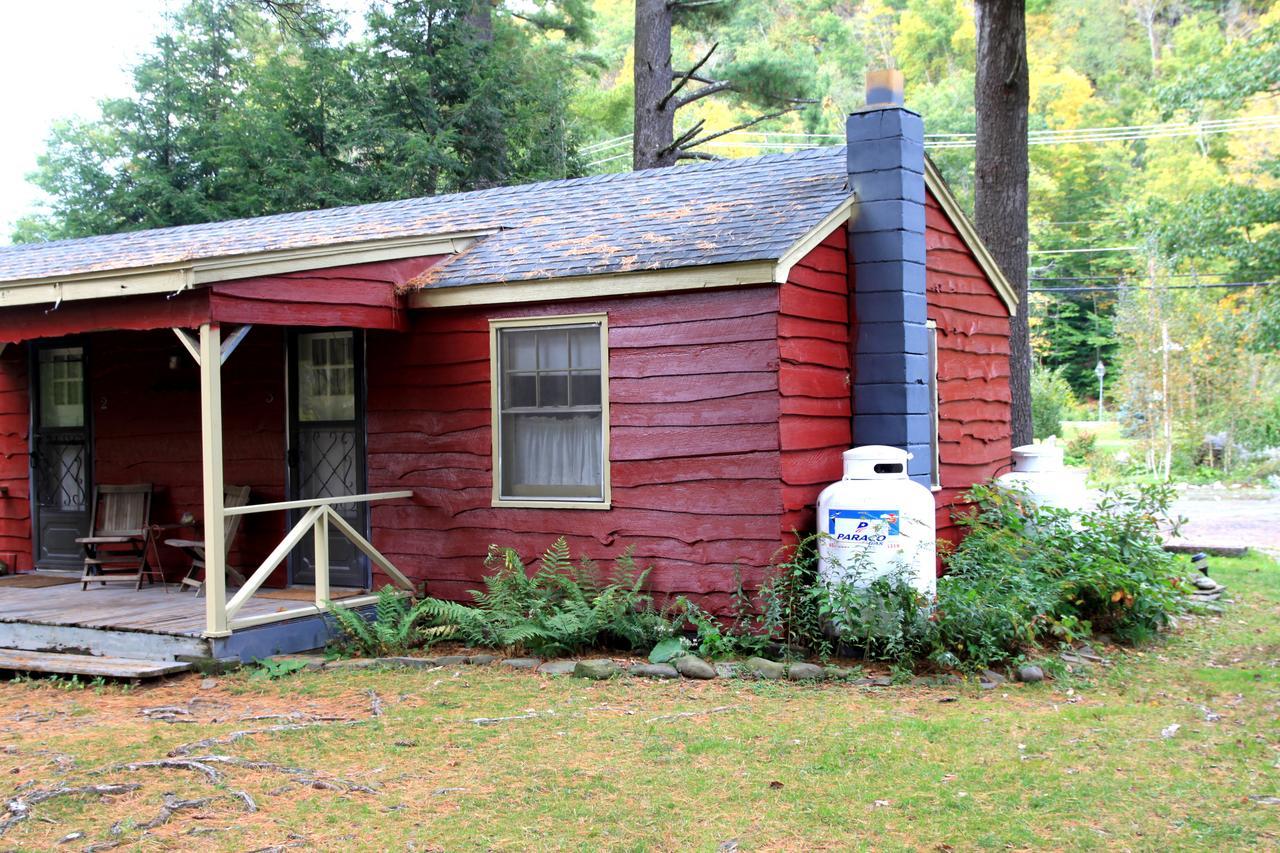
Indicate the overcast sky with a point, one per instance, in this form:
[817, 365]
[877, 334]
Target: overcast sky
[57, 59]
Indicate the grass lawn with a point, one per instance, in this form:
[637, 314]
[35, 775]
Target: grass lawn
[767, 766]
[1108, 434]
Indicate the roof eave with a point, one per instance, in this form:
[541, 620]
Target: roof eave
[964, 226]
[175, 278]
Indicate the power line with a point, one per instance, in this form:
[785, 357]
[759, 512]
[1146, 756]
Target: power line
[1123, 278]
[1085, 251]
[1118, 287]
[786, 141]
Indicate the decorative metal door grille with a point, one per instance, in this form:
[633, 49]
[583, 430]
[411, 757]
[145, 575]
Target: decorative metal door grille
[329, 462]
[60, 472]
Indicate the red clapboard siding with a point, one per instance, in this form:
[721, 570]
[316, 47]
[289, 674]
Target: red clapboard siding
[694, 444]
[15, 506]
[146, 419]
[814, 377]
[157, 311]
[360, 295]
[973, 366]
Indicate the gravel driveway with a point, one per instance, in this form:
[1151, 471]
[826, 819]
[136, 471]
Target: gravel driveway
[1230, 517]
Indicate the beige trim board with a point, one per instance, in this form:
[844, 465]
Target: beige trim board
[496, 324]
[810, 240]
[964, 226]
[596, 286]
[174, 278]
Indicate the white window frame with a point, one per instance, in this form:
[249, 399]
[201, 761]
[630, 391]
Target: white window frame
[935, 443]
[495, 410]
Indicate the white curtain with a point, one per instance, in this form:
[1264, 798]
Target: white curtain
[556, 450]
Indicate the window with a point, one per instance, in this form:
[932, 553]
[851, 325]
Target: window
[326, 376]
[551, 412]
[935, 455]
[62, 387]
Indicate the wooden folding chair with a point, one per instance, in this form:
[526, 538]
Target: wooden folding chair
[233, 496]
[117, 548]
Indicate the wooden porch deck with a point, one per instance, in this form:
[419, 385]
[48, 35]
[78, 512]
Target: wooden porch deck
[149, 623]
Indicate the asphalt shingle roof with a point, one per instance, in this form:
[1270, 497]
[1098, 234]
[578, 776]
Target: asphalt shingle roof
[711, 213]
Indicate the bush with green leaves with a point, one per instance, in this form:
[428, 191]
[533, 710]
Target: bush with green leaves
[398, 625]
[561, 608]
[1052, 401]
[1025, 574]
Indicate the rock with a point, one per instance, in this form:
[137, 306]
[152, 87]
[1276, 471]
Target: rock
[351, 663]
[451, 660]
[208, 684]
[761, 668]
[987, 685]
[878, 681]
[522, 663]
[805, 672]
[558, 667]
[992, 676]
[309, 662]
[840, 673]
[600, 669]
[691, 666]
[1030, 674]
[1205, 582]
[409, 662]
[481, 660]
[654, 670]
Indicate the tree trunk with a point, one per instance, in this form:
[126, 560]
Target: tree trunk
[654, 127]
[1000, 164]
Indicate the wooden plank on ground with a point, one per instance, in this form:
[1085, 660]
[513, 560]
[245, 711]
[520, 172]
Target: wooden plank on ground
[91, 665]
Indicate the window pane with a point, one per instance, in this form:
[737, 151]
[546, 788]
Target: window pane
[522, 350]
[585, 346]
[326, 377]
[585, 389]
[61, 387]
[521, 390]
[553, 350]
[553, 389]
[552, 455]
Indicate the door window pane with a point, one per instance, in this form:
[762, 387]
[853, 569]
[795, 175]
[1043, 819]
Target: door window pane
[326, 377]
[61, 387]
[550, 422]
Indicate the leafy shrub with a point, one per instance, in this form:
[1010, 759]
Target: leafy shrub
[886, 619]
[1051, 401]
[1080, 448]
[1024, 574]
[397, 626]
[561, 608]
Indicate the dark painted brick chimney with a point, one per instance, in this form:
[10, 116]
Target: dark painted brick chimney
[886, 234]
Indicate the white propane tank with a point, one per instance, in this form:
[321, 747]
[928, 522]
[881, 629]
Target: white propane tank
[877, 522]
[1039, 471]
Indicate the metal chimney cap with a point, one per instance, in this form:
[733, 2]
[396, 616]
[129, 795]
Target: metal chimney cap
[885, 88]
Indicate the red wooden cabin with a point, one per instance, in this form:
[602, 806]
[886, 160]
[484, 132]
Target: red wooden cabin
[662, 359]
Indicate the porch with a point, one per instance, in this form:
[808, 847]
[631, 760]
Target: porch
[187, 405]
[156, 624]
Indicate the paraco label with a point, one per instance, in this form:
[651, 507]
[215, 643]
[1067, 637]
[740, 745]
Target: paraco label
[863, 525]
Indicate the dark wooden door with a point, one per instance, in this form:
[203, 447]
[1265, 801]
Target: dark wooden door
[326, 444]
[60, 457]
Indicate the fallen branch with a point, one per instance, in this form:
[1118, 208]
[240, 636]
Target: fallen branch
[243, 796]
[493, 721]
[19, 808]
[232, 737]
[720, 710]
[171, 804]
[210, 773]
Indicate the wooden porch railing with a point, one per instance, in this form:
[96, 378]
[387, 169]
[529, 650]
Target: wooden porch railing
[317, 519]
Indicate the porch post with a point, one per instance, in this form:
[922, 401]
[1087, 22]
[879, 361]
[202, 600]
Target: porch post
[215, 552]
